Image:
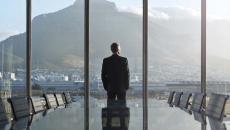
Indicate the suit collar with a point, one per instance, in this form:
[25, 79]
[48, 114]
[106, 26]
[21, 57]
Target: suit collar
[115, 55]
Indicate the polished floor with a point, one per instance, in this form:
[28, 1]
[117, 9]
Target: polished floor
[161, 117]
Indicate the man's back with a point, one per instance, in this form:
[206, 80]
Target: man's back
[115, 73]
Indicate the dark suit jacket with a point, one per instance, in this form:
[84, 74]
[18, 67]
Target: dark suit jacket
[115, 73]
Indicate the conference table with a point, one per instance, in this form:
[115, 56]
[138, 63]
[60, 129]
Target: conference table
[161, 116]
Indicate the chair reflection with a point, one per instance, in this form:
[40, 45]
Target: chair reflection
[4, 121]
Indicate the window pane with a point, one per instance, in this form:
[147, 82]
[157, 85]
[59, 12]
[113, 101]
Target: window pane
[218, 25]
[121, 22]
[218, 56]
[58, 59]
[13, 50]
[174, 60]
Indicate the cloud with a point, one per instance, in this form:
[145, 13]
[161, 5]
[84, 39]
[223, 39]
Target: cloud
[172, 12]
[130, 9]
[156, 14]
[164, 13]
[178, 12]
[139, 11]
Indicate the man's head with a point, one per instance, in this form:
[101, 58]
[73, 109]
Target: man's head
[115, 48]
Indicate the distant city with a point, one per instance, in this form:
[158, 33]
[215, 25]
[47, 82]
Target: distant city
[161, 79]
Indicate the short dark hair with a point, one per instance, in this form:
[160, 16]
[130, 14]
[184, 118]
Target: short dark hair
[114, 47]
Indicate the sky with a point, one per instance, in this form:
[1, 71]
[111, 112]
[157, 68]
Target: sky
[13, 16]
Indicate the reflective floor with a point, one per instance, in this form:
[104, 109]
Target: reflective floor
[161, 117]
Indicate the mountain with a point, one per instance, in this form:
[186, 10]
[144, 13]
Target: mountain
[58, 38]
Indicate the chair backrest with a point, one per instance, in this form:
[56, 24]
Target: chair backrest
[20, 107]
[38, 103]
[50, 101]
[198, 102]
[184, 100]
[216, 106]
[59, 98]
[200, 117]
[3, 114]
[67, 96]
[197, 107]
[216, 125]
[177, 97]
[170, 99]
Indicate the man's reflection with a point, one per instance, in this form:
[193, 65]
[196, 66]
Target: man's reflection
[115, 117]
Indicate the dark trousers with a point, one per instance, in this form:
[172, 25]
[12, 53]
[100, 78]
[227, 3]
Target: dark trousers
[116, 97]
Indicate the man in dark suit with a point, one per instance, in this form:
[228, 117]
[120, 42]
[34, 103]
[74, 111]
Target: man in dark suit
[115, 75]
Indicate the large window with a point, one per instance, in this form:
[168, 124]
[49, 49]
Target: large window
[174, 59]
[218, 56]
[121, 22]
[12, 50]
[58, 55]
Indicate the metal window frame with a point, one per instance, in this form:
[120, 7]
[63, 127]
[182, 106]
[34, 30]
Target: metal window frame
[29, 53]
[86, 66]
[203, 52]
[145, 65]
[28, 49]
